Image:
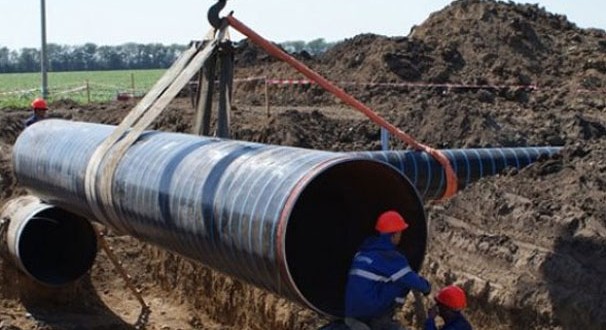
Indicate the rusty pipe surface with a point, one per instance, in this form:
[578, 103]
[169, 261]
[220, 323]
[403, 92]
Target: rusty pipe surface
[470, 165]
[285, 219]
[49, 244]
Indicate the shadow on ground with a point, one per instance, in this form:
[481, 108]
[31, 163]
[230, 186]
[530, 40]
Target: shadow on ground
[575, 274]
[77, 306]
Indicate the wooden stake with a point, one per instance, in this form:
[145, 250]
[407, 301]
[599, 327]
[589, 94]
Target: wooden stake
[206, 87]
[226, 81]
[267, 97]
[88, 91]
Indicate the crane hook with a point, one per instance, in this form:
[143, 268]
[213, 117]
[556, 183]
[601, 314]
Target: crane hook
[213, 14]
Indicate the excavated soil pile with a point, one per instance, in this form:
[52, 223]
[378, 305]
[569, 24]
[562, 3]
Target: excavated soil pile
[529, 246]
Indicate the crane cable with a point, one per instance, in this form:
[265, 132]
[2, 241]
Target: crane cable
[451, 177]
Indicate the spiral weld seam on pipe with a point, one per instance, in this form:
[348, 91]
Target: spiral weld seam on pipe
[113, 157]
[469, 165]
[128, 121]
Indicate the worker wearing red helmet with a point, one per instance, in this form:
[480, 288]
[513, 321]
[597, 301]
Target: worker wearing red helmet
[39, 107]
[380, 277]
[450, 301]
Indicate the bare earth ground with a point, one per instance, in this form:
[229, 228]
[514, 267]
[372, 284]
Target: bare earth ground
[528, 246]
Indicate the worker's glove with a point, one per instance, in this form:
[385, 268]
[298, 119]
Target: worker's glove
[432, 312]
[428, 291]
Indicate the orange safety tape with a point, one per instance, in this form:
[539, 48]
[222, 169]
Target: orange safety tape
[451, 178]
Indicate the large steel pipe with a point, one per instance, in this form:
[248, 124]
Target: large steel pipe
[51, 245]
[470, 165]
[285, 219]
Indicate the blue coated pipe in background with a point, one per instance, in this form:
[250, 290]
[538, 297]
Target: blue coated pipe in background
[470, 165]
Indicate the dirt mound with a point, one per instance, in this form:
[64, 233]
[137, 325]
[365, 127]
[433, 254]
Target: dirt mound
[477, 73]
[504, 69]
[533, 250]
[479, 42]
[514, 44]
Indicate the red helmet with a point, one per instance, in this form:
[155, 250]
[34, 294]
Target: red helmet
[39, 104]
[390, 222]
[452, 297]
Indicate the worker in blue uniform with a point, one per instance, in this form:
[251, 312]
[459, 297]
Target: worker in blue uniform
[450, 302]
[380, 278]
[39, 108]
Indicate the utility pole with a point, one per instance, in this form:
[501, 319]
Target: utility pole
[43, 55]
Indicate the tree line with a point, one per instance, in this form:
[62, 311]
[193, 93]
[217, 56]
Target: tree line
[314, 47]
[90, 57]
[131, 56]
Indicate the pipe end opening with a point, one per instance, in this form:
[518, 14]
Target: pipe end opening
[333, 215]
[57, 247]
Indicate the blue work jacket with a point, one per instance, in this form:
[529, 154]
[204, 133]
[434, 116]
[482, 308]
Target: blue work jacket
[459, 323]
[379, 277]
[32, 119]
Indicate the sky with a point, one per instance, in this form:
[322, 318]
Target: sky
[114, 22]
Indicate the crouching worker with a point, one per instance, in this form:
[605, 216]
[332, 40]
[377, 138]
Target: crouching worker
[380, 278]
[450, 301]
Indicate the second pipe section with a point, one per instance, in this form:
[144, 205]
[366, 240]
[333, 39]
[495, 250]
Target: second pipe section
[470, 165]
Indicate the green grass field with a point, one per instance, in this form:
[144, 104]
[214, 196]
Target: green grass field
[18, 89]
